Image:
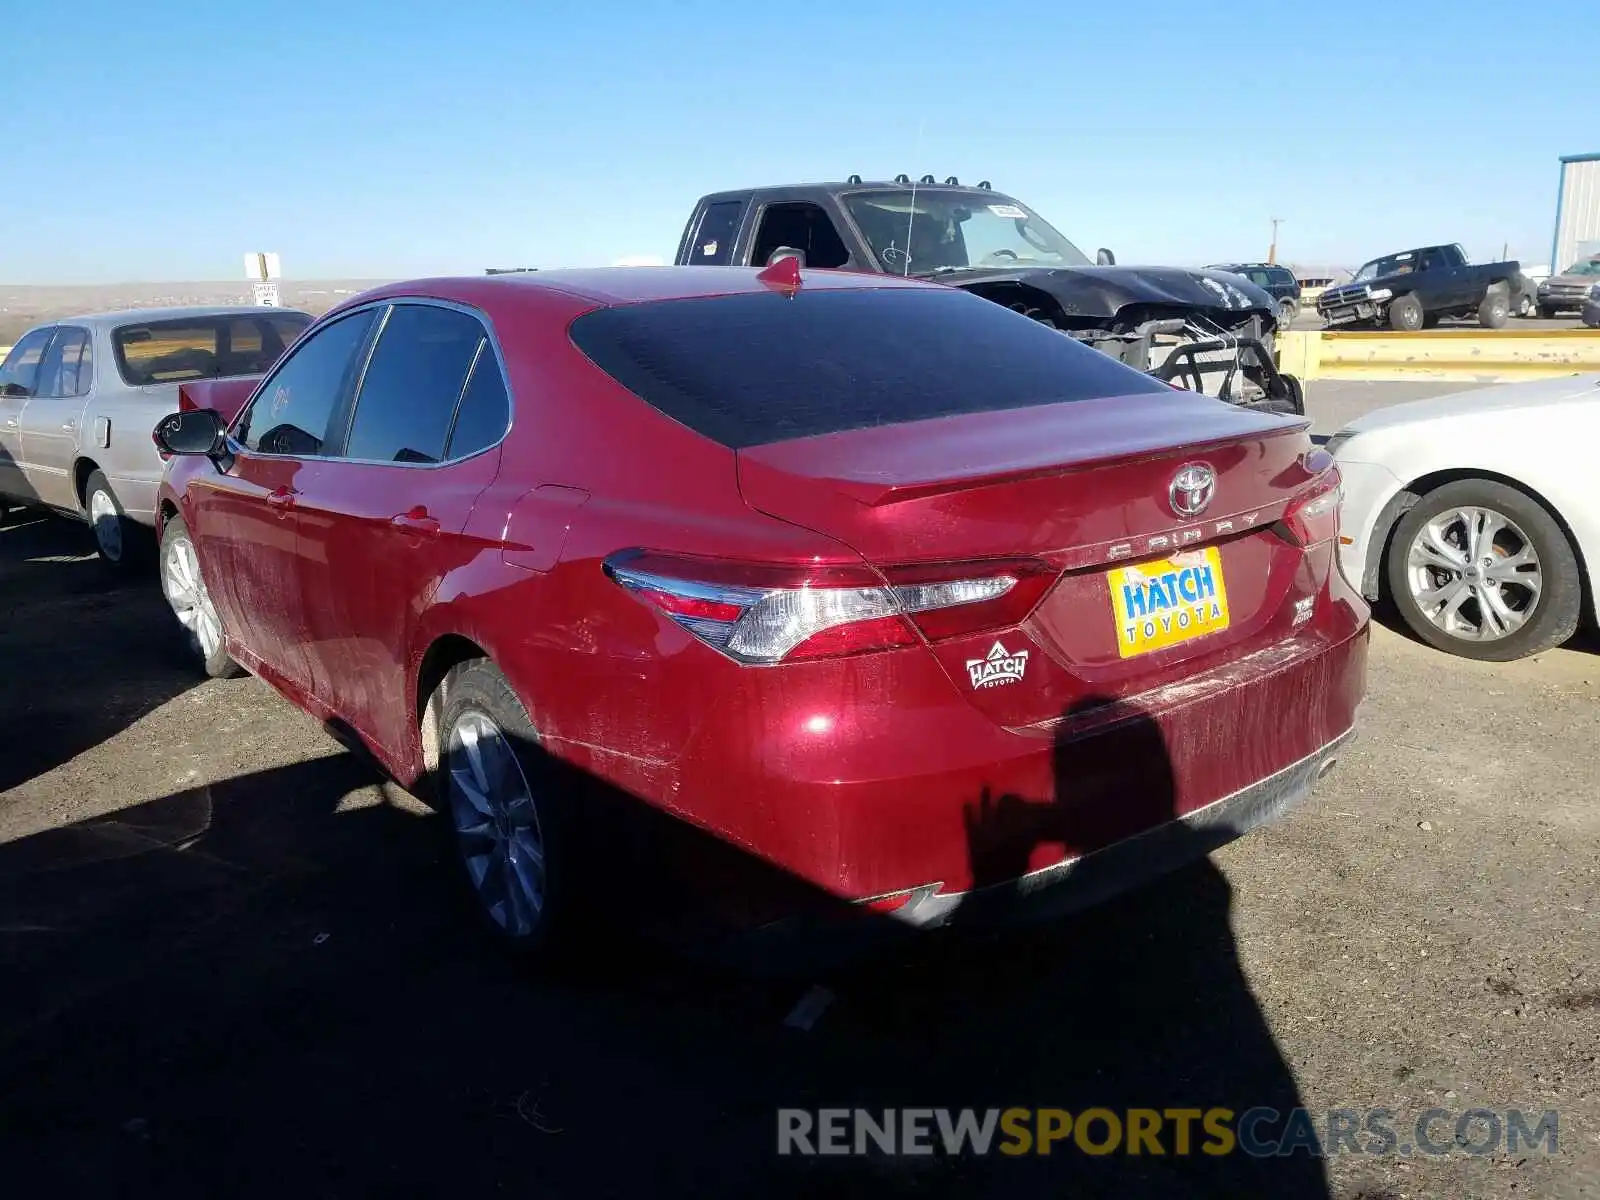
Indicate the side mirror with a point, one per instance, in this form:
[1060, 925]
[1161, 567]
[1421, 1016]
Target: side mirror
[198, 431]
[783, 252]
[1104, 258]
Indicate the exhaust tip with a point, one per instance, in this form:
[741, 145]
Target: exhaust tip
[1327, 765]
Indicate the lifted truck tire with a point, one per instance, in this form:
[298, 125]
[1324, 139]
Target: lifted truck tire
[1496, 308]
[1405, 314]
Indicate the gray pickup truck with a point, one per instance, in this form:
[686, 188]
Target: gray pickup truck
[79, 398]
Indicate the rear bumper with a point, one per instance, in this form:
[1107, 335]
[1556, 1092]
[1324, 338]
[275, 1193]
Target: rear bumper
[1102, 874]
[922, 817]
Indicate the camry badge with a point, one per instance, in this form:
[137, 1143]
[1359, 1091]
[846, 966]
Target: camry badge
[1192, 489]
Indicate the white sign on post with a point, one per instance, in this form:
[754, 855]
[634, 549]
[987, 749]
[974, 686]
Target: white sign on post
[266, 294]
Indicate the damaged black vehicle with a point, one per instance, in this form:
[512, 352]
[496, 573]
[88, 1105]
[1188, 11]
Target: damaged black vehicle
[1209, 331]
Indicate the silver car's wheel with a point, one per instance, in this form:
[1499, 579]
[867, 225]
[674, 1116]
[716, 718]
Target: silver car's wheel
[1481, 569]
[113, 533]
[190, 600]
[1475, 574]
[106, 522]
[496, 823]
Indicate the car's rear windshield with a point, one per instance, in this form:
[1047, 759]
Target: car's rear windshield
[203, 347]
[747, 370]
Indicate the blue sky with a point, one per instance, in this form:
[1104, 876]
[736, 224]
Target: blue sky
[164, 140]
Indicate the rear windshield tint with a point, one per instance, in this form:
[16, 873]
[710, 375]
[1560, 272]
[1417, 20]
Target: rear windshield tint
[204, 347]
[752, 369]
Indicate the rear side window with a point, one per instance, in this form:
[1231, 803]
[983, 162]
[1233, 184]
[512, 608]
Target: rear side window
[751, 369]
[713, 241]
[68, 368]
[204, 347]
[412, 385]
[485, 411]
[290, 415]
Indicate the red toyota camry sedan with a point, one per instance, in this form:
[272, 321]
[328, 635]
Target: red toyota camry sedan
[907, 599]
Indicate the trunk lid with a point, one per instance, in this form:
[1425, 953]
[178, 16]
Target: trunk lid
[1087, 488]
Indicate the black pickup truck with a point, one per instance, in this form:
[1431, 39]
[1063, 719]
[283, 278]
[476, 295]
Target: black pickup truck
[1414, 288]
[1206, 330]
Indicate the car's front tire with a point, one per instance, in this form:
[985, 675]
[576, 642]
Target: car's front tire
[1405, 314]
[1482, 570]
[1547, 313]
[507, 810]
[199, 622]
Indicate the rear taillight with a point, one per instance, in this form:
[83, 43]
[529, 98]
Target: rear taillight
[763, 614]
[1314, 518]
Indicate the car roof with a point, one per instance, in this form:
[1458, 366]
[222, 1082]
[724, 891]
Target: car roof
[607, 286]
[135, 316]
[780, 191]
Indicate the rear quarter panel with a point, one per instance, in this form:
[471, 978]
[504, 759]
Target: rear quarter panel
[116, 436]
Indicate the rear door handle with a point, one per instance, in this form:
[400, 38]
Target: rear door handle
[416, 520]
[282, 499]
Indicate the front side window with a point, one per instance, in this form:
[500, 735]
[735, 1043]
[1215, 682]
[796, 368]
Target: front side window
[21, 370]
[291, 413]
[804, 227]
[413, 384]
[937, 231]
[67, 369]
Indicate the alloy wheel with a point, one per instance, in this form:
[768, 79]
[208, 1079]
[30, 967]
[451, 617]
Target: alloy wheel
[186, 593]
[496, 823]
[1474, 574]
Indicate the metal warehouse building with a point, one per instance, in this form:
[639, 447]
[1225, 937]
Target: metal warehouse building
[1577, 211]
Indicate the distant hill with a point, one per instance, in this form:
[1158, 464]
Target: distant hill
[26, 305]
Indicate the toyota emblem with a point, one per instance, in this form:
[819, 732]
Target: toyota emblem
[1192, 489]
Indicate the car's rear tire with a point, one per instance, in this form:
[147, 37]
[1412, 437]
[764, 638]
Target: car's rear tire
[1527, 307]
[118, 541]
[200, 625]
[506, 806]
[1405, 314]
[1287, 312]
[1481, 570]
[1495, 308]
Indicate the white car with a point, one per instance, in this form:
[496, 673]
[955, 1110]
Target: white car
[1478, 514]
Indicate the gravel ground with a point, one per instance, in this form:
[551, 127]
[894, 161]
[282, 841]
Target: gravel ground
[233, 966]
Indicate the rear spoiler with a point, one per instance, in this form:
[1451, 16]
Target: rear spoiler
[225, 397]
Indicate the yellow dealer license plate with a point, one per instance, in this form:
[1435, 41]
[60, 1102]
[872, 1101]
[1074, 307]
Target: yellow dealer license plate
[1159, 604]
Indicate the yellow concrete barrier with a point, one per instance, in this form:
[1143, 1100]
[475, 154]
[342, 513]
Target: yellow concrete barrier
[1448, 355]
[4, 350]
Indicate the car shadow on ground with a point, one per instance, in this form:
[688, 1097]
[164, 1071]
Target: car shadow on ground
[274, 985]
[78, 664]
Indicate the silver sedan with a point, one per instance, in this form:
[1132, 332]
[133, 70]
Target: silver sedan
[79, 398]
